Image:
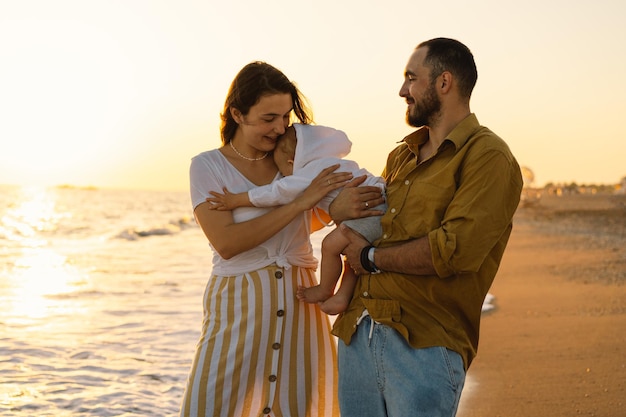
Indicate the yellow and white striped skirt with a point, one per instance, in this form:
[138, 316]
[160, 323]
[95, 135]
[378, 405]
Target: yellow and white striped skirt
[262, 352]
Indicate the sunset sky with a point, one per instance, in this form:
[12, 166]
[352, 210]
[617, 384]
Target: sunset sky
[122, 93]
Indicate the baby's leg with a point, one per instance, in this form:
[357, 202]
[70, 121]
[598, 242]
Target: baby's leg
[330, 271]
[338, 303]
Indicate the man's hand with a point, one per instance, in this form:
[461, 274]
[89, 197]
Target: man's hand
[352, 252]
[354, 202]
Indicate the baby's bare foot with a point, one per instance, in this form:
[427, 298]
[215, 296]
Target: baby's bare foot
[314, 294]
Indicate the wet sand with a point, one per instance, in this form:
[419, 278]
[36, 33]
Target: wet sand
[555, 345]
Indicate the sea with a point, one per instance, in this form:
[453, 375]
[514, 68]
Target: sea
[100, 300]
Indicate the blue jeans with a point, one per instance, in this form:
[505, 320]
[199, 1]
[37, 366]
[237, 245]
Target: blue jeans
[386, 377]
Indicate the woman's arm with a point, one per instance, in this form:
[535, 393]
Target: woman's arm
[229, 238]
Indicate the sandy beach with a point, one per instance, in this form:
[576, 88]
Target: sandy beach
[555, 345]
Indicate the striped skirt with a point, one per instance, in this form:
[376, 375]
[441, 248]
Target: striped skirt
[262, 352]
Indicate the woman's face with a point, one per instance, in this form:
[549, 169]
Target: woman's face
[266, 121]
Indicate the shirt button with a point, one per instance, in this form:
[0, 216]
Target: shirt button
[385, 236]
[266, 410]
[278, 274]
[365, 294]
[272, 378]
[276, 346]
[406, 182]
[280, 313]
[393, 210]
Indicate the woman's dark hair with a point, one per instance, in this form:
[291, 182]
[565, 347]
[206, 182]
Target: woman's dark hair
[451, 55]
[255, 80]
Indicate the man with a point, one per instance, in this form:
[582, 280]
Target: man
[411, 330]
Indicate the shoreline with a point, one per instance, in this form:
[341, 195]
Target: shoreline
[555, 345]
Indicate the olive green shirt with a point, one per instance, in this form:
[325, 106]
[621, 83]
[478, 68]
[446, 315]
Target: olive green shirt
[463, 199]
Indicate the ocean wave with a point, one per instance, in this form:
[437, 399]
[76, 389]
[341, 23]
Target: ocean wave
[171, 228]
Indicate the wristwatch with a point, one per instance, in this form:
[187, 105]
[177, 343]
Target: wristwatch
[367, 260]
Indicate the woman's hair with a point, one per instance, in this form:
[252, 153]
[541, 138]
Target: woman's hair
[445, 54]
[255, 80]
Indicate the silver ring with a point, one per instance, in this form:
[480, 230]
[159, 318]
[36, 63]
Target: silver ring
[367, 205]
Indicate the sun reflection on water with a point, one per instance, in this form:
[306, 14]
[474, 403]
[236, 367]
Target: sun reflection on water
[33, 270]
[34, 212]
[39, 274]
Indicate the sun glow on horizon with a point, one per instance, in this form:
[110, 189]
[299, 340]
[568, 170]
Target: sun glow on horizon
[62, 88]
[123, 94]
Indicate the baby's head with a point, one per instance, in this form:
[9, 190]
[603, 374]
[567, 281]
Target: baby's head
[285, 151]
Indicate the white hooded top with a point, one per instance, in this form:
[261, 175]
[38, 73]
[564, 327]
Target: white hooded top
[317, 148]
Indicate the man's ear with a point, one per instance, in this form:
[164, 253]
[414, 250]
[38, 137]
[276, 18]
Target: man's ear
[445, 82]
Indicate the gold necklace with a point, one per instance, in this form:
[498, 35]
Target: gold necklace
[245, 157]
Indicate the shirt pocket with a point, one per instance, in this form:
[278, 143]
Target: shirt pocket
[417, 207]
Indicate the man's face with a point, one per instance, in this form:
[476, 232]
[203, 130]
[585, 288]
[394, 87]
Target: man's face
[419, 92]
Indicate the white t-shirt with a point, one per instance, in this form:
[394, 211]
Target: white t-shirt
[211, 171]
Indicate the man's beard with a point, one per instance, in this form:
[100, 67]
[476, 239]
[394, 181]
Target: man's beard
[426, 111]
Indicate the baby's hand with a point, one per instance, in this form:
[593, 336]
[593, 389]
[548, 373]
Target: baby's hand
[226, 201]
[220, 201]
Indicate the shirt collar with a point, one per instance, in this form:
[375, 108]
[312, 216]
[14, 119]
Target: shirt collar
[458, 137]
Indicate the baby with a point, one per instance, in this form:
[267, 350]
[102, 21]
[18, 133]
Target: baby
[301, 153]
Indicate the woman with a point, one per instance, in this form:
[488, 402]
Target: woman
[261, 352]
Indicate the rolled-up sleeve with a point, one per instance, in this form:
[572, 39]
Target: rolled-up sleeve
[480, 212]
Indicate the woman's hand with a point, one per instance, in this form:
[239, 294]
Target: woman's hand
[326, 181]
[354, 202]
[230, 239]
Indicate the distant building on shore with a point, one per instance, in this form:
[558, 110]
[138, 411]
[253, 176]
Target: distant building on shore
[531, 195]
[588, 189]
[621, 187]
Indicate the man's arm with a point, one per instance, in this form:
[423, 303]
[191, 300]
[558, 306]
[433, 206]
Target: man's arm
[474, 221]
[413, 257]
